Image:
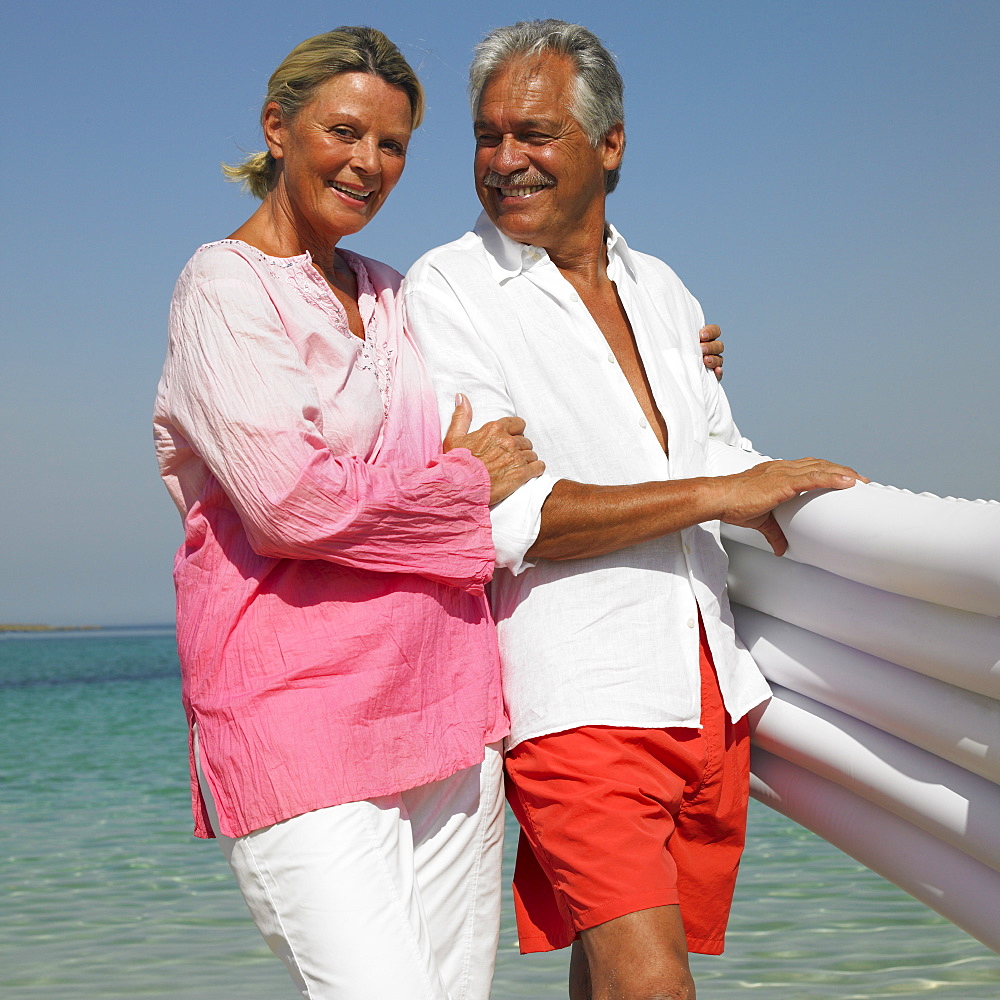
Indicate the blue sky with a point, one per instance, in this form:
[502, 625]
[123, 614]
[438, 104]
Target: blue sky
[822, 175]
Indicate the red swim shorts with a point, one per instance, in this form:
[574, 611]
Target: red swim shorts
[617, 820]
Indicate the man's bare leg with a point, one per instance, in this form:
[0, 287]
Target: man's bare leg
[579, 973]
[640, 956]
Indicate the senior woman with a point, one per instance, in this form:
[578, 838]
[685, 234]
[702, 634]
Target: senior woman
[339, 664]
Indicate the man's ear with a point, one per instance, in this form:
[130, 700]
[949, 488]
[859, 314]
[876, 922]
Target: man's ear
[614, 146]
[273, 126]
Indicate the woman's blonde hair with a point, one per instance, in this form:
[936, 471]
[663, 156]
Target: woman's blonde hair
[313, 62]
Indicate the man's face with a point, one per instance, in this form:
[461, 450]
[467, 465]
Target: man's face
[537, 175]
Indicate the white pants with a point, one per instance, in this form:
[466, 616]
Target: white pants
[393, 898]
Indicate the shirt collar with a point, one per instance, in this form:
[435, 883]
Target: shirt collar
[619, 249]
[508, 258]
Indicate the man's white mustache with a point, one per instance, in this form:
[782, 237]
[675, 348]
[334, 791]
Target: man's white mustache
[521, 178]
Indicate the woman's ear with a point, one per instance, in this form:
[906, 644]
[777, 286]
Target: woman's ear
[273, 125]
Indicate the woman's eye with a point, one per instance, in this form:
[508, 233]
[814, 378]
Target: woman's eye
[343, 130]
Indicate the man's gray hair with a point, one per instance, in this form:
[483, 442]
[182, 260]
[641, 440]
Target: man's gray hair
[599, 104]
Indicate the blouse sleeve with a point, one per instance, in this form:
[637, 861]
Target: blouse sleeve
[239, 393]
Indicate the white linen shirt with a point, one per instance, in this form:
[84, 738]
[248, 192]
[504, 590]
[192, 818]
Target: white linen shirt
[611, 639]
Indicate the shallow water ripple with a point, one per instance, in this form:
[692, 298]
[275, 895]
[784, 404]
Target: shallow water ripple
[106, 895]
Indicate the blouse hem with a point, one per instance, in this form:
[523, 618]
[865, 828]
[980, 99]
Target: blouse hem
[493, 735]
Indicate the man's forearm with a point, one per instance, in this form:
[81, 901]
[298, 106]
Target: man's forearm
[580, 520]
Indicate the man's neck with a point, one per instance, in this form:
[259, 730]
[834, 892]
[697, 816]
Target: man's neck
[583, 259]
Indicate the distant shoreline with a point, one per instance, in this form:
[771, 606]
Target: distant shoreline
[19, 628]
[51, 628]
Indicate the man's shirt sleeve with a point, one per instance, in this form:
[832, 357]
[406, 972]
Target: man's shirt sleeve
[728, 452]
[453, 335]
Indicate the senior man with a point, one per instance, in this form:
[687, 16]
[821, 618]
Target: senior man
[627, 687]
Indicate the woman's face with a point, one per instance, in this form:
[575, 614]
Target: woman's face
[342, 153]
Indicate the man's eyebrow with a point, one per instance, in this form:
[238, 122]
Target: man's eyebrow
[547, 124]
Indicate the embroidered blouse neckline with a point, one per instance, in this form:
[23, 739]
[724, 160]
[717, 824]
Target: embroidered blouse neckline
[374, 354]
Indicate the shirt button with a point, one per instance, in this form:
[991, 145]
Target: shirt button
[691, 623]
[642, 423]
[687, 549]
[611, 358]
[574, 297]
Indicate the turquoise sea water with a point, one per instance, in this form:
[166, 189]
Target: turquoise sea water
[104, 893]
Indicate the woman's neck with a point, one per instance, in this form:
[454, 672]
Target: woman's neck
[273, 229]
[277, 230]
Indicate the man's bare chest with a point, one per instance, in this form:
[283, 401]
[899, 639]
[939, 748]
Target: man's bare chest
[609, 314]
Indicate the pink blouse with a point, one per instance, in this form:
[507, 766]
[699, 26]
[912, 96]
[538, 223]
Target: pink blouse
[334, 638]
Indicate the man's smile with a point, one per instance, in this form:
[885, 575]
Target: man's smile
[521, 192]
[522, 184]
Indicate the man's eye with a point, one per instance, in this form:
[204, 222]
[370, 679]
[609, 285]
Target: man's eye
[343, 130]
[486, 140]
